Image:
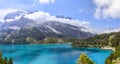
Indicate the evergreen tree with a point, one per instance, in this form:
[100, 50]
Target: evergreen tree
[10, 61]
[1, 57]
[5, 60]
[84, 59]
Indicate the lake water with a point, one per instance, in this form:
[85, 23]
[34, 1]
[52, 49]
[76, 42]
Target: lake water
[51, 53]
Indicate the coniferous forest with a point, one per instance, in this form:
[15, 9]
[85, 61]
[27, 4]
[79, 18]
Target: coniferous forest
[104, 40]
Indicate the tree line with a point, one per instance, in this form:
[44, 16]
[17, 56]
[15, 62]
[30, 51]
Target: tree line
[103, 40]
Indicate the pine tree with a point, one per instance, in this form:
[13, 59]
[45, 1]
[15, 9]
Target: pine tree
[84, 59]
[0, 57]
[10, 61]
[5, 61]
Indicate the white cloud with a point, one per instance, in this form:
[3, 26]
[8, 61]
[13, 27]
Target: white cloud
[4, 12]
[40, 17]
[107, 8]
[12, 19]
[46, 1]
[109, 30]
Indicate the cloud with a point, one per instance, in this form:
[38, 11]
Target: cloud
[47, 1]
[41, 17]
[107, 8]
[4, 12]
[109, 30]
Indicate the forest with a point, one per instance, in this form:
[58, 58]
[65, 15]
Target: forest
[103, 40]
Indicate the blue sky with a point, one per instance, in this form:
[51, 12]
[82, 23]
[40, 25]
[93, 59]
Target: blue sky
[101, 14]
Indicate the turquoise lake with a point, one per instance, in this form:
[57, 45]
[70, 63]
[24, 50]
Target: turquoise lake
[51, 53]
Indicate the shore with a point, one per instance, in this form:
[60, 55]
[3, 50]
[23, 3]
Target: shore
[108, 48]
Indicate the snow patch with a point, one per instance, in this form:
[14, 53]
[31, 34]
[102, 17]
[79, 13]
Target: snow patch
[55, 31]
[14, 27]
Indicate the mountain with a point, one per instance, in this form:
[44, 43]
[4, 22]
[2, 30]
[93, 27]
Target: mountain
[20, 25]
[62, 16]
[15, 14]
[102, 40]
[1, 25]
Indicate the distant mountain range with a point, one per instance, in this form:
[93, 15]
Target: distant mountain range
[18, 25]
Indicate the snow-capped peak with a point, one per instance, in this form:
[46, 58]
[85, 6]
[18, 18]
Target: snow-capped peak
[39, 17]
[7, 15]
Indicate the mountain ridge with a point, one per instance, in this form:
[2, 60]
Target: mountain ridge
[44, 26]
